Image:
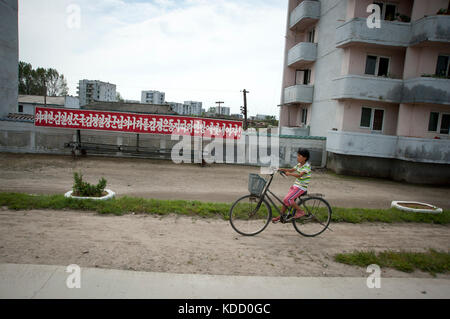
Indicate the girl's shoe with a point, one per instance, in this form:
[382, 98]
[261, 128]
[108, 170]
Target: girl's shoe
[299, 213]
[276, 219]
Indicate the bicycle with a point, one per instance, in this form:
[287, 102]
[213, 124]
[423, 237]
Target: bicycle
[251, 214]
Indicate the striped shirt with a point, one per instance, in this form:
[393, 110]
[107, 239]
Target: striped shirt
[303, 181]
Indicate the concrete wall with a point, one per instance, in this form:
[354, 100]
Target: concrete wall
[24, 137]
[414, 118]
[423, 8]
[358, 8]
[383, 146]
[356, 57]
[350, 117]
[423, 60]
[9, 56]
[326, 68]
[398, 170]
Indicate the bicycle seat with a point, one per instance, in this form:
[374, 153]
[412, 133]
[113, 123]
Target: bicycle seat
[304, 194]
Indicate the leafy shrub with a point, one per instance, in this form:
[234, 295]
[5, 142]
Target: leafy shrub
[81, 188]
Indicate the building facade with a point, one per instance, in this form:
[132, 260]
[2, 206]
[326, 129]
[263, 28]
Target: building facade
[380, 94]
[9, 56]
[223, 110]
[153, 97]
[90, 91]
[27, 103]
[188, 108]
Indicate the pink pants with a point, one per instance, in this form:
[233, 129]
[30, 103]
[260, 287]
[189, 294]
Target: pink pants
[294, 192]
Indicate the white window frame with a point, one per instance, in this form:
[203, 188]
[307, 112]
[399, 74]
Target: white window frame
[373, 109]
[441, 114]
[377, 64]
[438, 121]
[304, 119]
[313, 30]
[447, 71]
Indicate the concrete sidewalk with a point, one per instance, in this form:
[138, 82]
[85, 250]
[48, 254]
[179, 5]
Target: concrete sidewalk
[47, 282]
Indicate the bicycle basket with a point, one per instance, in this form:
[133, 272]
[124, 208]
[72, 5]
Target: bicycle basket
[256, 184]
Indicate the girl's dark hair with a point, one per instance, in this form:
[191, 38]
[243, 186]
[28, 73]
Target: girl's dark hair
[303, 152]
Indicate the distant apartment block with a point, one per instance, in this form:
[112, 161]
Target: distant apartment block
[381, 96]
[188, 108]
[153, 97]
[262, 116]
[223, 110]
[90, 91]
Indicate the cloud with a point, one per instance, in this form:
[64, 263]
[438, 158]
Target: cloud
[192, 50]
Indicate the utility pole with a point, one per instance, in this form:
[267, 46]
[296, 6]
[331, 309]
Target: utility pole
[218, 109]
[244, 108]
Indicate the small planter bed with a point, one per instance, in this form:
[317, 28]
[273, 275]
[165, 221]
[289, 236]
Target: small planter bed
[416, 207]
[84, 190]
[107, 194]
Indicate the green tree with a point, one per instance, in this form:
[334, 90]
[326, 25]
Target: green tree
[119, 97]
[41, 81]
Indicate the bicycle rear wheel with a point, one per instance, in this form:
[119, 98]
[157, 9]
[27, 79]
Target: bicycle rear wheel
[317, 217]
[249, 219]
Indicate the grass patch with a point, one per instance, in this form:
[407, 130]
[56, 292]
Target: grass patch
[125, 205]
[432, 261]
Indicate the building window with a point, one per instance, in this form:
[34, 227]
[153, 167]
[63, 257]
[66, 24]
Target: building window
[377, 65]
[433, 122]
[20, 109]
[304, 116]
[388, 10]
[442, 67]
[372, 118]
[445, 124]
[302, 77]
[311, 35]
[439, 123]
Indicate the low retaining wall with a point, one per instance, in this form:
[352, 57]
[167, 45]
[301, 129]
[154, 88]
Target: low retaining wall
[390, 168]
[24, 137]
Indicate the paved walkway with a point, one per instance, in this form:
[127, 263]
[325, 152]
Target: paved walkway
[47, 282]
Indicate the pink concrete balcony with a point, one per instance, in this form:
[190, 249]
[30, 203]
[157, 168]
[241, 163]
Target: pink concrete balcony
[433, 29]
[356, 31]
[298, 94]
[304, 15]
[302, 54]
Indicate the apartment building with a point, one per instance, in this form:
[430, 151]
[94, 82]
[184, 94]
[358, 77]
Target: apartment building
[94, 90]
[223, 110]
[188, 108]
[153, 97]
[380, 94]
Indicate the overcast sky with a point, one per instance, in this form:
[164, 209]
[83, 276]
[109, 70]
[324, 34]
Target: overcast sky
[199, 50]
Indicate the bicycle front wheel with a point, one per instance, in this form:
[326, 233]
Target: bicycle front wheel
[247, 217]
[317, 217]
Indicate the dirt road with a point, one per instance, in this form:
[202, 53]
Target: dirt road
[49, 174]
[191, 245]
[200, 246]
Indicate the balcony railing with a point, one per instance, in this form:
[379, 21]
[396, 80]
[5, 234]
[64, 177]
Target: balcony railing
[431, 29]
[394, 33]
[368, 88]
[305, 14]
[298, 94]
[386, 146]
[302, 54]
[391, 33]
[426, 90]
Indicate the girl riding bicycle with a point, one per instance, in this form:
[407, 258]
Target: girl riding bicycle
[302, 172]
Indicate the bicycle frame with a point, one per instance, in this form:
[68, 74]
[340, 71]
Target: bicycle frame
[264, 195]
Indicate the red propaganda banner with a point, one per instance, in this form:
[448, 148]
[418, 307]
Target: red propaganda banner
[137, 123]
